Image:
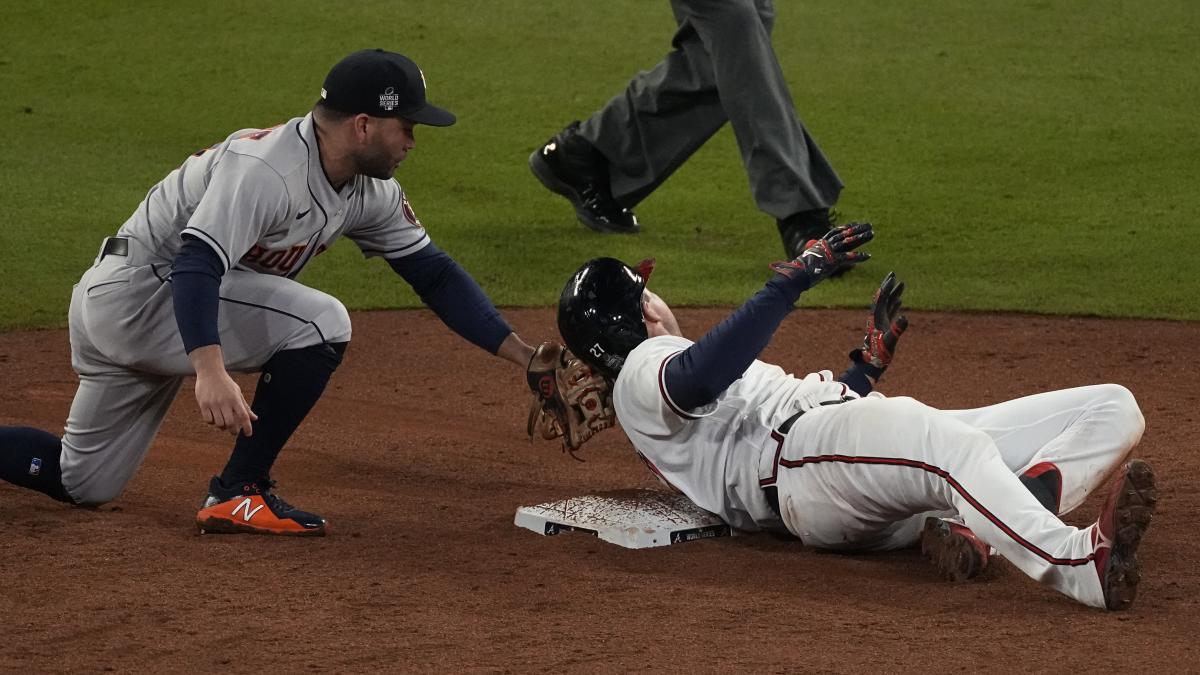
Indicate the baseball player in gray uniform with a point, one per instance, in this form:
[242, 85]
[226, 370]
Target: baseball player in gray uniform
[201, 279]
[723, 68]
[842, 467]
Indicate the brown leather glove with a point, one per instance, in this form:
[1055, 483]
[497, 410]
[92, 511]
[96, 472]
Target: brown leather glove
[569, 399]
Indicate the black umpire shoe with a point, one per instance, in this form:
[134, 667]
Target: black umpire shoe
[570, 166]
[799, 228]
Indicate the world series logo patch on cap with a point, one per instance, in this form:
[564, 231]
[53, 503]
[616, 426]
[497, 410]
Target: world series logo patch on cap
[35, 466]
[389, 99]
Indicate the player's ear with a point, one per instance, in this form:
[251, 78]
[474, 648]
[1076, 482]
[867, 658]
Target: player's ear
[650, 313]
[361, 122]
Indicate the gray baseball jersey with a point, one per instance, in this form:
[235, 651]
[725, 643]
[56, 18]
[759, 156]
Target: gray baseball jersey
[261, 201]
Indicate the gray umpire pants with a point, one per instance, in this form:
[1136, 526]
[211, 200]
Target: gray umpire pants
[723, 69]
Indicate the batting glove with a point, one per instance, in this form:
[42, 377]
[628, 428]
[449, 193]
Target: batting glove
[831, 253]
[884, 326]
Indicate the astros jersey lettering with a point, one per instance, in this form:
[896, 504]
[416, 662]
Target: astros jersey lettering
[260, 199]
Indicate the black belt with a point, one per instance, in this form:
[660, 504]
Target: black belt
[771, 492]
[786, 426]
[115, 246]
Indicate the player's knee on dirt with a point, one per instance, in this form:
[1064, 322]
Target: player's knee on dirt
[95, 495]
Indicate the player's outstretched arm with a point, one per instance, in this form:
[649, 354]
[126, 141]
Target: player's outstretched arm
[447, 289]
[516, 350]
[706, 369]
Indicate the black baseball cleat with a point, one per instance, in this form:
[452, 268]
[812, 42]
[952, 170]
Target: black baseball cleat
[1123, 521]
[570, 166]
[254, 508]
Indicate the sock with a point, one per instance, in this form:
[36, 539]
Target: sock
[1045, 482]
[29, 458]
[290, 384]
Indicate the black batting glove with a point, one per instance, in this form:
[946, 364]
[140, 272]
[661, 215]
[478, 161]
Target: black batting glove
[823, 257]
[884, 326]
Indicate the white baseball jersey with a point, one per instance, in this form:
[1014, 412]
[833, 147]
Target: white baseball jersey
[862, 475]
[260, 199]
[716, 455]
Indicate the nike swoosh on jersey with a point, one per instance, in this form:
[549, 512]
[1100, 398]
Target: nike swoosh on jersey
[302, 214]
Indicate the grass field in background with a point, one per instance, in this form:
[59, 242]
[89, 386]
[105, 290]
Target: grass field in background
[1028, 155]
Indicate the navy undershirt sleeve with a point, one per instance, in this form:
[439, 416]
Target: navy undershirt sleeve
[447, 289]
[859, 377]
[195, 290]
[706, 369]
[699, 375]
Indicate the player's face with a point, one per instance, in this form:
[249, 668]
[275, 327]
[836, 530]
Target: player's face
[658, 316]
[388, 141]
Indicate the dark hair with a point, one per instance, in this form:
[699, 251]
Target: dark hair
[325, 112]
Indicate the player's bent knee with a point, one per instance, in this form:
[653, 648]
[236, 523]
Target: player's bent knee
[1129, 415]
[334, 322]
[94, 495]
[327, 322]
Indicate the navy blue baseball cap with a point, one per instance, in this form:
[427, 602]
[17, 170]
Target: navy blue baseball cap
[382, 84]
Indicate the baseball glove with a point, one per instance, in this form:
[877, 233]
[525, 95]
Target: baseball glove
[569, 400]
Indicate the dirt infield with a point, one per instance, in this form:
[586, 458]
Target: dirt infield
[417, 457]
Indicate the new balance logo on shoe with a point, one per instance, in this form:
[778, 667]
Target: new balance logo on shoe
[248, 513]
[253, 508]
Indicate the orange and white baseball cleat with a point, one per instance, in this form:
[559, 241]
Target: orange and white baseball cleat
[1123, 521]
[953, 549]
[254, 508]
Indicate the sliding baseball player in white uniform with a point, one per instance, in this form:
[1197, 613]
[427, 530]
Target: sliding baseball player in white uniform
[201, 280]
[840, 467]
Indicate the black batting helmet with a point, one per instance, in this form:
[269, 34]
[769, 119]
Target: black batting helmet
[600, 312]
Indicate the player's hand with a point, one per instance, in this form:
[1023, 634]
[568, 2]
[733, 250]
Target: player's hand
[219, 397]
[832, 253]
[884, 326]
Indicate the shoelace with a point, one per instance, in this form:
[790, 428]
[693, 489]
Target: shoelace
[274, 501]
[596, 200]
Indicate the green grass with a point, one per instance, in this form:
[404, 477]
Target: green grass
[1028, 156]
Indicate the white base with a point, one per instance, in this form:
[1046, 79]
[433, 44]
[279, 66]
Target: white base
[629, 518]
